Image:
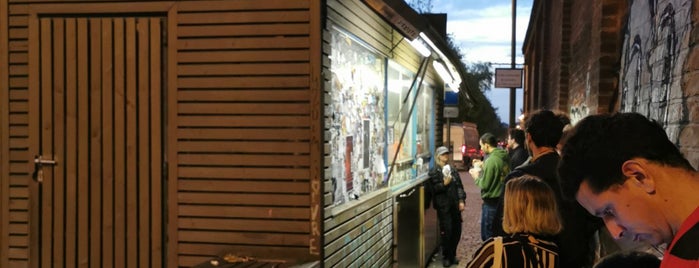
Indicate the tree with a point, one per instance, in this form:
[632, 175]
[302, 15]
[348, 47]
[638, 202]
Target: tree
[421, 6]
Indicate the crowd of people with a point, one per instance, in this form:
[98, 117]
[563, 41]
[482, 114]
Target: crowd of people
[548, 197]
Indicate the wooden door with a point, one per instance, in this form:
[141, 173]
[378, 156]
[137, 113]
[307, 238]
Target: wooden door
[98, 106]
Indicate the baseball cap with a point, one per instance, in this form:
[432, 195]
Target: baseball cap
[441, 150]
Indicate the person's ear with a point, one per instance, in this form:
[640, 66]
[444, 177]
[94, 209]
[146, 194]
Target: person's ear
[636, 171]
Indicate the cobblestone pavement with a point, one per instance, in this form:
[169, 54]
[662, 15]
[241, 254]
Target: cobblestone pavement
[471, 234]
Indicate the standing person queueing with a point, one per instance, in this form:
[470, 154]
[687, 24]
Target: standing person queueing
[624, 169]
[515, 143]
[531, 217]
[449, 199]
[489, 175]
[543, 130]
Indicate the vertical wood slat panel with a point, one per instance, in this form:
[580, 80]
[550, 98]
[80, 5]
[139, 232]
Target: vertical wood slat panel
[70, 158]
[57, 111]
[119, 146]
[171, 158]
[5, 242]
[131, 147]
[82, 131]
[107, 149]
[155, 146]
[34, 88]
[95, 141]
[45, 145]
[142, 142]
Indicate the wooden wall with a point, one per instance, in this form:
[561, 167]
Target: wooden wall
[242, 136]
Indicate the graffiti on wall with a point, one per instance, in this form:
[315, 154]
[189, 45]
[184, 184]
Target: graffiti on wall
[355, 118]
[578, 107]
[653, 54]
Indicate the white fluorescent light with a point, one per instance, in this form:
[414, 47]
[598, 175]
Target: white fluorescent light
[420, 47]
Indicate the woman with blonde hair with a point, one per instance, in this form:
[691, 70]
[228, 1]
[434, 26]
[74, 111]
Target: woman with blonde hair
[531, 217]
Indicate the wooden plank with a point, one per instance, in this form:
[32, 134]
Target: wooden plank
[244, 186]
[155, 144]
[19, 192]
[243, 147]
[244, 121]
[95, 141]
[5, 132]
[19, 69]
[131, 146]
[19, 131]
[244, 225]
[316, 141]
[18, 33]
[82, 134]
[70, 157]
[278, 55]
[243, 160]
[238, 133]
[171, 121]
[300, 81]
[244, 16]
[245, 108]
[107, 131]
[272, 239]
[19, 82]
[20, 155]
[242, 69]
[244, 95]
[18, 46]
[242, 5]
[19, 216]
[18, 20]
[19, 107]
[32, 96]
[143, 143]
[59, 148]
[19, 204]
[18, 253]
[358, 239]
[282, 42]
[244, 199]
[119, 145]
[46, 140]
[20, 180]
[19, 240]
[243, 173]
[19, 118]
[95, 8]
[21, 168]
[243, 212]
[19, 58]
[245, 30]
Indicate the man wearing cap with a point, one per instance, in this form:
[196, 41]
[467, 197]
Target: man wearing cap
[449, 200]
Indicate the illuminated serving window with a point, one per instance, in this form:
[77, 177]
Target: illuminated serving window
[400, 98]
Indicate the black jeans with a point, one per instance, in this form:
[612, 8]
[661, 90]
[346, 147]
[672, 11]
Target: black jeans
[449, 231]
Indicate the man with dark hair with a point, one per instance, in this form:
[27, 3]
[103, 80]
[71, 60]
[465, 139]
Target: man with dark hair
[515, 143]
[624, 169]
[543, 130]
[489, 175]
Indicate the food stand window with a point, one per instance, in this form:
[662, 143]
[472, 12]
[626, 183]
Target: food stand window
[356, 117]
[424, 120]
[399, 82]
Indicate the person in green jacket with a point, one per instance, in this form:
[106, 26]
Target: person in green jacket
[489, 175]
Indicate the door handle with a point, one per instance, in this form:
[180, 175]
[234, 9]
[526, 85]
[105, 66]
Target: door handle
[39, 163]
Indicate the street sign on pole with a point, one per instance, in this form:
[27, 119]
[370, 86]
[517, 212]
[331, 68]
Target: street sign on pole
[508, 77]
[451, 112]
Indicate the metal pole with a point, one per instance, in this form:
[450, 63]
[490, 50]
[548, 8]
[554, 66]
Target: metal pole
[513, 91]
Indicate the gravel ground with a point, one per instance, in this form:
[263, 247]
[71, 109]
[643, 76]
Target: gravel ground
[471, 234]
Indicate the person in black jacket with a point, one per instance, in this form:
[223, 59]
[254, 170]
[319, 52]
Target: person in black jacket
[576, 241]
[448, 198]
[515, 144]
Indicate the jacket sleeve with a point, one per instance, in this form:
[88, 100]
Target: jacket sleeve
[437, 180]
[456, 179]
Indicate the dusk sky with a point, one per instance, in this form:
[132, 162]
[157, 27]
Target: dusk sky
[482, 28]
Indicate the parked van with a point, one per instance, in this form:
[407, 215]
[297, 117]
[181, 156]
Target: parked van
[470, 148]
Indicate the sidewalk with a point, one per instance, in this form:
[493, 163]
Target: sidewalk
[471, 230]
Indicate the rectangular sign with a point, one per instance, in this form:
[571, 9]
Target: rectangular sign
[508, 78]
[451, 112]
